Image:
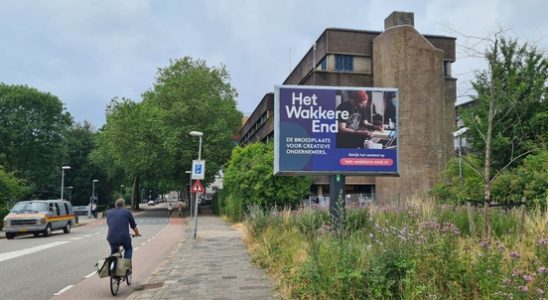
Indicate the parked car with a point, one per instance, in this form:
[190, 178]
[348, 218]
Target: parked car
[80, 210]
[39, 217]
[151, 203]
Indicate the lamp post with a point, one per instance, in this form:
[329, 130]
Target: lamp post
[70, 188]
[92, 194]
[63, 168]
[198, 134]
[189, 191]
[458, 134]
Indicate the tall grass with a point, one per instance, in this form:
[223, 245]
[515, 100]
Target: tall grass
[417, 251]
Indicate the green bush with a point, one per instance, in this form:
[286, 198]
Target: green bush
[504, 222]
[233, 207]
[309, 221]
[249, 180]
[388, 268]
[528, 179]
[258, 219]
[358, 219]
[218, 198]
[3, 212]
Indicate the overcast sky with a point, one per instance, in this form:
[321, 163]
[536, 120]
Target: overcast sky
[88, 51]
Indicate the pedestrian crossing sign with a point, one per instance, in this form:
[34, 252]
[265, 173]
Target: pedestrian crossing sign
[197, 187]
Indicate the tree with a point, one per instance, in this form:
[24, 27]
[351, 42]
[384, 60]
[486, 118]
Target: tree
[529, 180]
[149, 142]
[455, 188]
[80, 144]
[130, 143]
[11, 188]
[32, 137]
[511, 97]
[249, 180]
[194, 97]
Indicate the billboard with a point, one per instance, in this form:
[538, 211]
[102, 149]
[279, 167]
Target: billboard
[325, 130]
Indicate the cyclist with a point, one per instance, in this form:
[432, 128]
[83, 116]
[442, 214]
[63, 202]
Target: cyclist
[119, 220]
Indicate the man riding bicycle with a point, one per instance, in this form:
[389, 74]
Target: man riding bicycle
[119, 220]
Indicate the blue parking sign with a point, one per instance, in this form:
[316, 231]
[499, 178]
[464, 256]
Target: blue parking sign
[198, 169]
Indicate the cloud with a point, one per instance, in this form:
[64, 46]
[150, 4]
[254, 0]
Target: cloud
[87, 52]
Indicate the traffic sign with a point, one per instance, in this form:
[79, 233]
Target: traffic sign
[198, 169]
[197, 187]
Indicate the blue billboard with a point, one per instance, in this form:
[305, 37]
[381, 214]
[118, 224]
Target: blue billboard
[325, 130]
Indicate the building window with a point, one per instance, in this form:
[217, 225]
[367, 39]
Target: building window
[447, 68]
[344, 63]
[323, 64]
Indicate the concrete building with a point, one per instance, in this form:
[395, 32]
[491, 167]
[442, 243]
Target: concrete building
[399, 57]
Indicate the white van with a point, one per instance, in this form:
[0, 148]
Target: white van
[39, 217]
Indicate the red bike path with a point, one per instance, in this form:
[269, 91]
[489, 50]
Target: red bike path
[146, 259]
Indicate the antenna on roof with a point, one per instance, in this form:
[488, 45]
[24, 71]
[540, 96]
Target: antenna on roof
[289, 60]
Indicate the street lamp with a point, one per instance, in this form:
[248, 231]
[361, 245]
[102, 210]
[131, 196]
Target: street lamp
[189, 191]
[198, 134]
[458, 134]
[63, 168]
[70, 193]
[92, 194]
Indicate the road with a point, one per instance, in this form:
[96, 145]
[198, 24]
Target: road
[62, 266]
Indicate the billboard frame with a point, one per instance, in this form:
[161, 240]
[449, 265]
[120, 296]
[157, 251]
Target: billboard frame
[365, 171]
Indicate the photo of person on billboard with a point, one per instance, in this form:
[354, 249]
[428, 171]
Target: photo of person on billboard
[355, 127]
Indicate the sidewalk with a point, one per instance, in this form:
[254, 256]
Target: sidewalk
[215, 265]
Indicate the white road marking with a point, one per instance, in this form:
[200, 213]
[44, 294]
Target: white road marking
[90, 274]
[88, 235]
[17, 253]
[136, 249]
[76, 238]
[63, 290]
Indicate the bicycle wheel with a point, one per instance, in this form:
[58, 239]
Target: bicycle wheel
[114, 284]
[128, 277]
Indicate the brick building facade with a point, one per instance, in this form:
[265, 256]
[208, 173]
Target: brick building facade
[399, 57]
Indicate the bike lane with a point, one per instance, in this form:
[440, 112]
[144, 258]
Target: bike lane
[148, 254]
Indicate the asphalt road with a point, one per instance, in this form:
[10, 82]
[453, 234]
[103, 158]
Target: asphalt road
[63, 265]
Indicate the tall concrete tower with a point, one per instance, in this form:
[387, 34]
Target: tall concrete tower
[405, 59]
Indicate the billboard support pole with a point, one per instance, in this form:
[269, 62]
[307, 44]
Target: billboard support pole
[336, 188]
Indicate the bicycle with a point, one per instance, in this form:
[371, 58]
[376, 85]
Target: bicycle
[114, 270]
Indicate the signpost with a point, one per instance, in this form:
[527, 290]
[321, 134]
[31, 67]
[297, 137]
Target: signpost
[198, 172]
[336, 131]
[197, 187]
[322, 130]
[198, 169]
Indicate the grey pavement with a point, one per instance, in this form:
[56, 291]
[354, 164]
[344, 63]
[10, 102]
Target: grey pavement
[215, 265]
